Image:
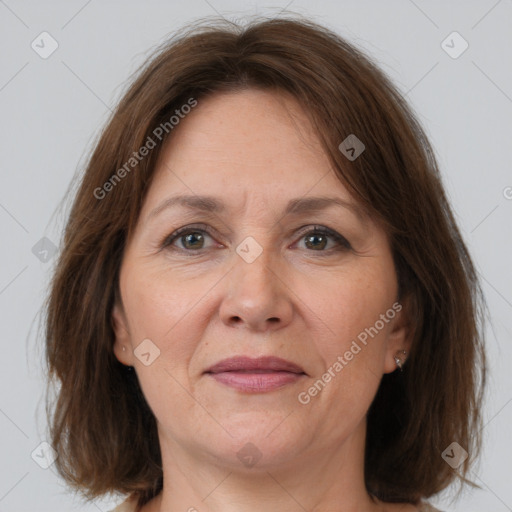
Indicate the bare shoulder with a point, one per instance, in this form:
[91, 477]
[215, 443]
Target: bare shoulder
[402, 507]
[407, 507]
[426, 507]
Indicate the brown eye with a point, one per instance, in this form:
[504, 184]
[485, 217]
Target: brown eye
[191, 239]
[317, 240]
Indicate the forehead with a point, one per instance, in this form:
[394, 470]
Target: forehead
[254, 142]
[246, 129]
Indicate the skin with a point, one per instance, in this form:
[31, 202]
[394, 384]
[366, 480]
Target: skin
[303, 300]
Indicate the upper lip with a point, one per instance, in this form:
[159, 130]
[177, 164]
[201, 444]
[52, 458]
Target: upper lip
[244, 363]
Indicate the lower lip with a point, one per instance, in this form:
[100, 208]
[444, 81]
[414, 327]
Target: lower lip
[256, 382]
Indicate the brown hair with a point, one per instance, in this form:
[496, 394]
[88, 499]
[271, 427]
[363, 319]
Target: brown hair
[101, 426]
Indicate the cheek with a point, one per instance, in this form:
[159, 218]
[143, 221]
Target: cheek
[160, 309]
[352, 353]
[164, 311]
[349, 337]
[158, 304]
[345, 308]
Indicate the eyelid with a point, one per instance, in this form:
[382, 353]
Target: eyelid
[175, 235]
[324, 230]
[309, 229]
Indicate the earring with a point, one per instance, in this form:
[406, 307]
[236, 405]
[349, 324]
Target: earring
[398, 361]
[124, 348]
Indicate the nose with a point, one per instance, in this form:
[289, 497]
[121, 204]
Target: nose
[257, 297]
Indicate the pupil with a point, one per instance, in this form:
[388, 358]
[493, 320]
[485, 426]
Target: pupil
[190, 237]
[312, 237]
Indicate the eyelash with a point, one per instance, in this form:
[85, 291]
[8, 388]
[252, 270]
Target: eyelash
[203, 228]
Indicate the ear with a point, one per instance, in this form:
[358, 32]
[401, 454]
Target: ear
[122, 343]
[399, 338]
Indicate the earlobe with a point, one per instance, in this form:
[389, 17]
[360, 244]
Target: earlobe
[122, 344]
[399, 343]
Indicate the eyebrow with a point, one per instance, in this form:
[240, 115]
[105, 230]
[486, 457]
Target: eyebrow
[297, 206]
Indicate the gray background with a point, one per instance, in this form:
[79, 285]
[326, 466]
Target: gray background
[52, 109]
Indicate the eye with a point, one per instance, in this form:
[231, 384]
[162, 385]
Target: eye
[317, 239]
[192, 238]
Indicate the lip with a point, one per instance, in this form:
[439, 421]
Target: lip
[255, 375]
[247, 364]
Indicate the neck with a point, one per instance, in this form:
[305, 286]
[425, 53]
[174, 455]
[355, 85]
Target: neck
[321, 479]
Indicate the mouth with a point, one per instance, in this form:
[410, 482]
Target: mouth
[255, 375]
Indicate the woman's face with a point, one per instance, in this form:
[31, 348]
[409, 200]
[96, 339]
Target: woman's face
[249, 278]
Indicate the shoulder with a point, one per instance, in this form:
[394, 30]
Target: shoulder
[422, 506]
[129, 505]
[426, 507]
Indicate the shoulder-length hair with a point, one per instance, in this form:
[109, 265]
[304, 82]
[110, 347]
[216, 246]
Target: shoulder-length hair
[101, 427]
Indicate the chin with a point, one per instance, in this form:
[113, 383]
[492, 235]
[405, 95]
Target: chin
[258, 443]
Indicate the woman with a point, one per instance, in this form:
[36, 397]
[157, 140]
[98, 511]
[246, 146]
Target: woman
[263, 301]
